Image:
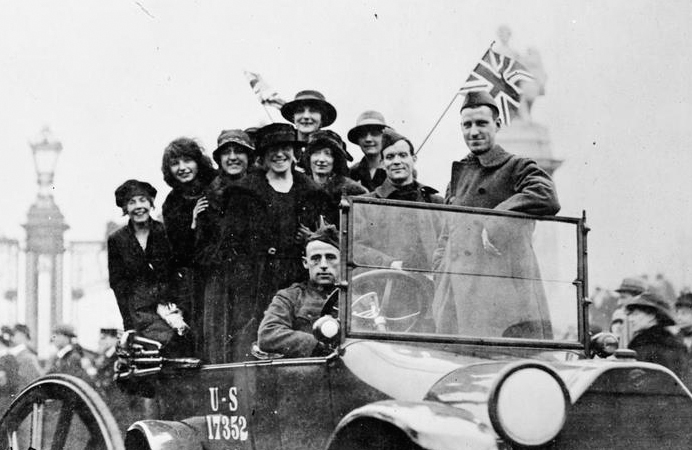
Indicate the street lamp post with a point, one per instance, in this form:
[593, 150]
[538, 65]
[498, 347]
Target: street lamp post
[45, 227]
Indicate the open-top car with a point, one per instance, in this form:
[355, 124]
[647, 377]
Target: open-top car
[454, 328]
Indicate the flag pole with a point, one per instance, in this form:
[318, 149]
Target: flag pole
[271, 119]
[438, 122]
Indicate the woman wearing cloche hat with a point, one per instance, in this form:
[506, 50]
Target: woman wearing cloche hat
[649, 315]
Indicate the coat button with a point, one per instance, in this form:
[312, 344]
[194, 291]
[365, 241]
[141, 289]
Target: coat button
[271, 251]
[481, 190]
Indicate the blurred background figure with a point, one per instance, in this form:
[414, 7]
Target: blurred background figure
[648, 315]
[105, 360]
[683, 315]
[29, 366]
[69, 354]
[9, 370]
[629, 287]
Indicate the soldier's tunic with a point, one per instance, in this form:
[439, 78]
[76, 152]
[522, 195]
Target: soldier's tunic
[287, 324]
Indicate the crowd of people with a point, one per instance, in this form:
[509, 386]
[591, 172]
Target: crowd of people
[20, 364]
[234, 236]
[648, 317]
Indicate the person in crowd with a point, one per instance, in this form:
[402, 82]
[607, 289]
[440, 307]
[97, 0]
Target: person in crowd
[629, 287]
[325, 162]
[287, 324]
[140, 268]
[490, 177]
[308, 112]
[683, 316]
[69, 357]
[262, 242]
[379, 246]
[10, 382]
[225, 256]
[234, 156]
[648, 315]
[367, 134]
[29, 367]
[188, 171]
[105, 361]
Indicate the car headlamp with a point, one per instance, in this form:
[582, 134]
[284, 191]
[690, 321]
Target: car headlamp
[528, 404]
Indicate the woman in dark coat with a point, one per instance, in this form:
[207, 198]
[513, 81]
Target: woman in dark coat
[140, 267]
[262, 234]
[188, 171]
[649, 315]
[222, 259]
[325, 162]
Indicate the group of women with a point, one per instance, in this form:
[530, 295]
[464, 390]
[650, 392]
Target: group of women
[231, 236]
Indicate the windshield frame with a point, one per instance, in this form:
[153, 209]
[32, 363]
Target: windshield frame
[348, 266]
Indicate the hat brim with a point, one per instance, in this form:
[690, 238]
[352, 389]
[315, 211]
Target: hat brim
[250, 151]
[328, 111]
[261, 150]
[355, 132]
[664, 317]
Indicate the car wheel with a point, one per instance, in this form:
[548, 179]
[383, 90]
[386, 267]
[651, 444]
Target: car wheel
[59, 412]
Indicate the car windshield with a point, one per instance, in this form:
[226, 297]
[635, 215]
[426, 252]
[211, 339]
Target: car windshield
[420, 269]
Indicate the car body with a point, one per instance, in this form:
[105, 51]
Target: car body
[518, 368]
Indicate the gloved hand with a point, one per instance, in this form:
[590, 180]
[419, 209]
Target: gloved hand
[173, 317]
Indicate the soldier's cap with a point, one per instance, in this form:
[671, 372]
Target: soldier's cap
[654, 303]
[113, 332]
[474, 99]
[21, 328]
[314, 99]
[321, 138]
[632, 285]
[366, 120]
[65, 329]
[131, 188]
[684, 300]
[276, 134]
[238, 137]
[391, 137]
[327, 234]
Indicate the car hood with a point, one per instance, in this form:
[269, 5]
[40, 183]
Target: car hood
[461, 374]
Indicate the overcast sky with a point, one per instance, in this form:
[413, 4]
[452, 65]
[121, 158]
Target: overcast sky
[116, 81]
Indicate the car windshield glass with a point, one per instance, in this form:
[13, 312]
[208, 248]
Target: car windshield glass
[468, 274]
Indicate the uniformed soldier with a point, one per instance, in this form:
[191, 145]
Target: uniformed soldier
[287, 324]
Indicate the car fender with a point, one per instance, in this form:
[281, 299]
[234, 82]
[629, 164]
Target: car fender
[163, 435]
[429, 425]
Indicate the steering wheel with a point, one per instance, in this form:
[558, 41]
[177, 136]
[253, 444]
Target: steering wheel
[393, 299]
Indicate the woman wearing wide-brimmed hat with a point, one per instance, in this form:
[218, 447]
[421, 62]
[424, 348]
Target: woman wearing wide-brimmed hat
[308, 112]
[325, 161]
[649, 315]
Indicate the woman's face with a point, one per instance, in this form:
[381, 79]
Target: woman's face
[233, 161]
[322, 162]
[640, 320]
[278, 158]
[139, 209]
[307, 119]
[184, 169]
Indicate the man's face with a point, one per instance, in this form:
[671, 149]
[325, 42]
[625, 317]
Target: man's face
[278, 158]
[322, 261]
[60, 340]
[106, 341]
[399, 162]
[233, 160]
[479, 128]
[640, 320]
[683, 314]
[183, 169]
[370, 141]
[307, 119]
[322, 161]
[19, 338]
[139, 208]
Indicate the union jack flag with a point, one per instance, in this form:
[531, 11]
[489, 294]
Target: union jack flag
[502, 77]
[265, 94]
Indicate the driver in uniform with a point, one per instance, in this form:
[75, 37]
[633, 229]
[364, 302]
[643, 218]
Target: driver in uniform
[288, 321]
